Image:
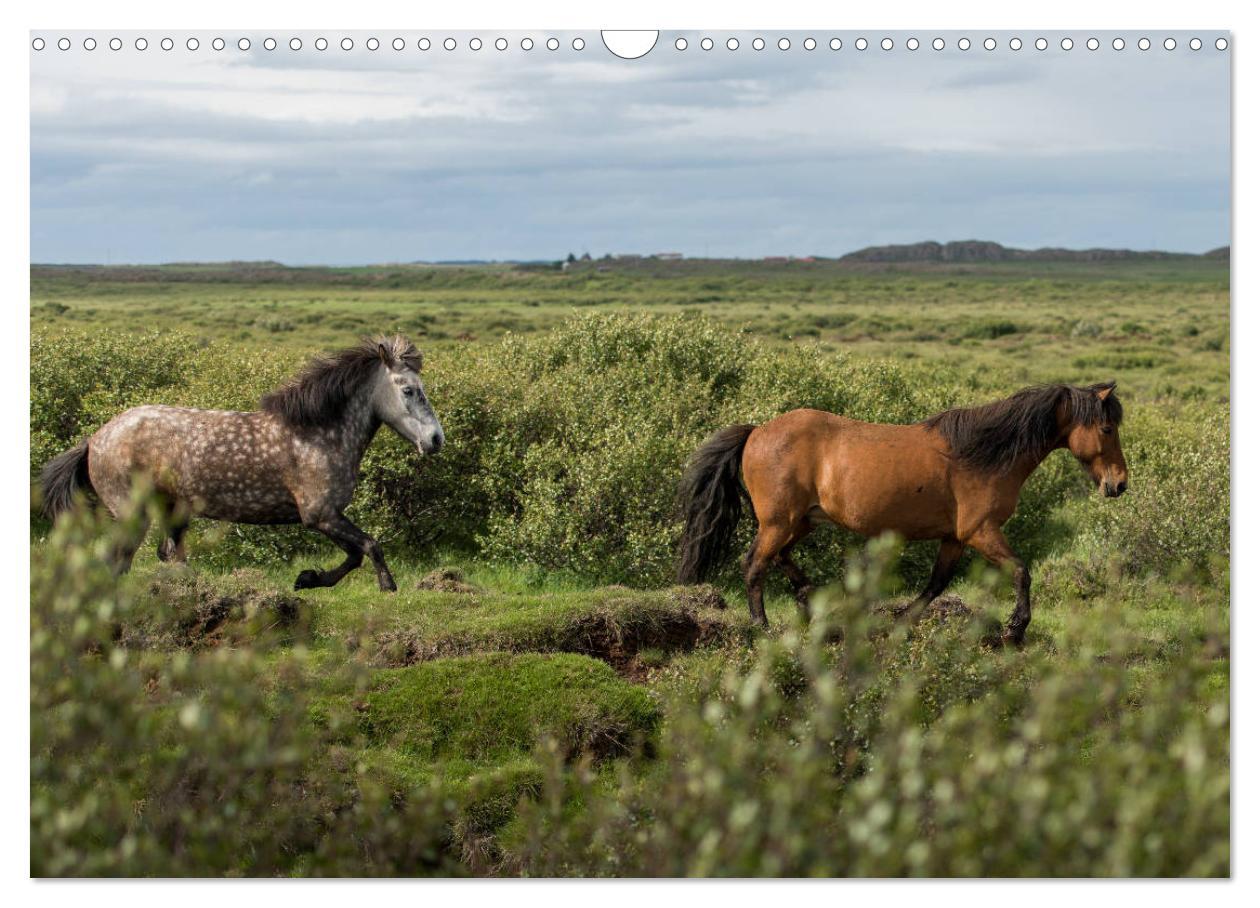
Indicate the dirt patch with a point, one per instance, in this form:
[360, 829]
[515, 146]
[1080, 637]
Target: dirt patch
[446, 580]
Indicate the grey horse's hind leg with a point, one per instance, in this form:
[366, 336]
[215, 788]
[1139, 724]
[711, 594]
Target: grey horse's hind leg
[172, 547]
[356, 544]
[125, 549]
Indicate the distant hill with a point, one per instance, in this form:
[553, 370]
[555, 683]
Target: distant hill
[987, 251]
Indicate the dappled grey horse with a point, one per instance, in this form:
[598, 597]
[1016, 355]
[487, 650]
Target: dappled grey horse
[295, 460]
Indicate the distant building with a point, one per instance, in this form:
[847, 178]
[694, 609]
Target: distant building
[668, 256]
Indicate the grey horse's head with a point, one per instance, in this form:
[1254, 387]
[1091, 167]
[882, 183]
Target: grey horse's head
[398, 398]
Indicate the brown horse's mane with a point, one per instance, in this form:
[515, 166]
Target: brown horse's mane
[318, 395]
[995, 436]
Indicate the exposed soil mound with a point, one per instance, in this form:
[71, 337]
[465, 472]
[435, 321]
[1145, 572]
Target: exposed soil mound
[446, 580]
[616, 625]
[949, 606]
[182, 609]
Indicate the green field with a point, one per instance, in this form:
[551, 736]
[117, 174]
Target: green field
[539, 698]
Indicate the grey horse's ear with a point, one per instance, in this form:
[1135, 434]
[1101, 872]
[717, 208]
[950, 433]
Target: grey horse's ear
[384, 353]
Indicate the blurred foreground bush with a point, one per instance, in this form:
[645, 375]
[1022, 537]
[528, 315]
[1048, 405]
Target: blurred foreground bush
[916, 752]
[192, 763]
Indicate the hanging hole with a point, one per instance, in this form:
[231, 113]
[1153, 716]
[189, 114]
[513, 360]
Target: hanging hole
[631, 44]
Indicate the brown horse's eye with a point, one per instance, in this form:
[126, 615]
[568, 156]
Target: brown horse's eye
[1107, 430]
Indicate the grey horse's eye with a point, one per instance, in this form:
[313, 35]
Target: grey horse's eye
[409, 392]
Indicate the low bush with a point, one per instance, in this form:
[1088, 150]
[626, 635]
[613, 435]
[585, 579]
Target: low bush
[1176, 512]
[565, 447]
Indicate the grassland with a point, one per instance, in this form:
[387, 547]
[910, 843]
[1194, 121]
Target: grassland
[511, 711]
[1156, 325]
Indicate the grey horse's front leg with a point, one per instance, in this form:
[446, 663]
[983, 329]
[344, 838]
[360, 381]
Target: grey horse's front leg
[356, 544]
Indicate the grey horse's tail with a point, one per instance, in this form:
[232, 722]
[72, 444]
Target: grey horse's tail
[62, 477]
[710, 498]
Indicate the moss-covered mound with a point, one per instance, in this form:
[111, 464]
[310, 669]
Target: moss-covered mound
[491, 707]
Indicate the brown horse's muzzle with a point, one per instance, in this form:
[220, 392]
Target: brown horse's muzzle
[1113, 489]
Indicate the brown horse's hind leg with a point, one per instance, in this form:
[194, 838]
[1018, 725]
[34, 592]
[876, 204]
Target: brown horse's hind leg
[991, 543]
[802, 589]
[356, 544]
[770, 541]
[947, 558]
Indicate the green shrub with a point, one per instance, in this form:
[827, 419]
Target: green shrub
[990, 329]
[565, 447]
[1176, 512]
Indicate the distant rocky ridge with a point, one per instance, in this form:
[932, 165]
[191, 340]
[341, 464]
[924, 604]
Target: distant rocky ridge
[986, 251]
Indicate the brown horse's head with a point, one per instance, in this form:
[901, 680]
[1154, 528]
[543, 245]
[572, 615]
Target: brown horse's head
[1093, 437]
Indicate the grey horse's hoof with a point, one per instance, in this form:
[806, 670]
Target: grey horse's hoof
[306, 580]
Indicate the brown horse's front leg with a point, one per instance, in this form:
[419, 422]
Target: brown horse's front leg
[992, 544]
[356, 544]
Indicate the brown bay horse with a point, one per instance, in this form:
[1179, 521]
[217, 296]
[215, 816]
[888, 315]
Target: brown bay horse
[955, 476]
[295, 460]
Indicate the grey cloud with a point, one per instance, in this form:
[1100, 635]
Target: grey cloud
[727, 153]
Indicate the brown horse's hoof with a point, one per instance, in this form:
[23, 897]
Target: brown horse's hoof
[388, 585]
[306, 580]
[1000, 639]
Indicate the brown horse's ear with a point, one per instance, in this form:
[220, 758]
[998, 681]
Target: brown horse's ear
[1105, 392]
[383, 352]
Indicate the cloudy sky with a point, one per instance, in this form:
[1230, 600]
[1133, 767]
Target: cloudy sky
[375, 156]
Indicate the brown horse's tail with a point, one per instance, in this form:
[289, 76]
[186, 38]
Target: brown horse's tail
[62, 477]
[710, 496]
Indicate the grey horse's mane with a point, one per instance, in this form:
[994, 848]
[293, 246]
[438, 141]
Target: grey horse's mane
[994, 436]
[318, 395]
